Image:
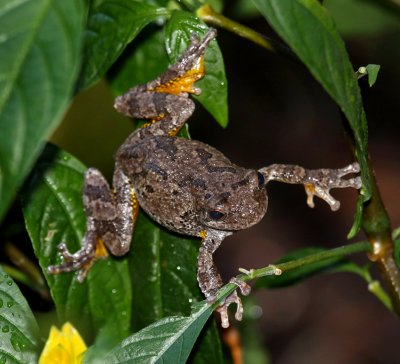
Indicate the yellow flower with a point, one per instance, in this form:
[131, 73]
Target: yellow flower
[63, 347]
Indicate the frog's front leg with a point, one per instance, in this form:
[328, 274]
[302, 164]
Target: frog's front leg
[110, 213]
[316, 182]
[209, 278]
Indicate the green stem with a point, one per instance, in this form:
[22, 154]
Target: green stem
[312, 258]
[27, 272]
[376, 289]
[396, 233]
[376, 225]
[283, 267]
[207, 13]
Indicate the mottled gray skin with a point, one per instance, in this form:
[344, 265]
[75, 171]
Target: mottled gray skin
[184, 185]
[178, 181]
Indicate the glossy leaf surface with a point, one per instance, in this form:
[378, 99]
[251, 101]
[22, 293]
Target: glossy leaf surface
[19, 332]
[169, 340]
[112, 24]
[39, 59]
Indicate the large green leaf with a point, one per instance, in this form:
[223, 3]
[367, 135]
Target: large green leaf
[53, 212]
[39, 58]
[169, 340]
[19, 332]
[112, 24]
[214, 85]
[163, 269]
[309, 30]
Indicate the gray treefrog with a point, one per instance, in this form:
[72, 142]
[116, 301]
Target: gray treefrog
[185, 185]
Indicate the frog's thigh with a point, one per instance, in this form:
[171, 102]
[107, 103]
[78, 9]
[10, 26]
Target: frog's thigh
[167, 113]
[111, 213]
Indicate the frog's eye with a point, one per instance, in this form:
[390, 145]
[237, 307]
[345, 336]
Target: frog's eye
[261, 180]
[216, 215]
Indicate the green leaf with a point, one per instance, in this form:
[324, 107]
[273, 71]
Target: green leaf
[309, 30]
[53, 212]
[112, 24]
[143, 63]
[169, 340]
[356, 18]
[217, 5]
[372, 70]
[214, 93]
[396, 252]
[19, 332]
[163, 268]
[39, 59]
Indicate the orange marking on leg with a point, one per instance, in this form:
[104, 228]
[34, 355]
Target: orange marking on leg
[185, 82]
[203, 234]
[135, 205]
[101, 250]
[174, 131]
[310, 187]
[154, 120]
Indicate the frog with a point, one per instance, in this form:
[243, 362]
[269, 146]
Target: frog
[184, 185]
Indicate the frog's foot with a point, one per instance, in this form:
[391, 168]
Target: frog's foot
[233, 298]
[81, 261]
[320, 181]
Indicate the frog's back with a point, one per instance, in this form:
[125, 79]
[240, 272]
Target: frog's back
[173, 177]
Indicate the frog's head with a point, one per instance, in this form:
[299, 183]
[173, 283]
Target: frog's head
[239, 205]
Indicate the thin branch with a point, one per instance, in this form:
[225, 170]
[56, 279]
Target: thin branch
[312, 258]
[207, 13]
[283, 267]
[376, 225]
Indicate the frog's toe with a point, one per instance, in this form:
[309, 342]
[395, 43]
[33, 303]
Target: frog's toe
[80, 261]
[233, 298]
[242, 285]
[223, 309]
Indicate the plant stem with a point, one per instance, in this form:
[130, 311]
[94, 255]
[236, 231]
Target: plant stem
[376, 225]
[312, 258]
[272, 269]
[207, 13]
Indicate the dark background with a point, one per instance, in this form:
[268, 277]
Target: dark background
[279, 114]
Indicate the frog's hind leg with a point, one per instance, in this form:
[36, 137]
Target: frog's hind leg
[111, 214]
[165, 101]
[166, 113]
